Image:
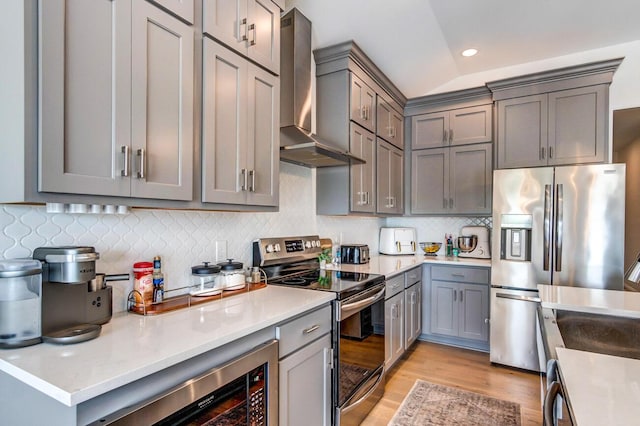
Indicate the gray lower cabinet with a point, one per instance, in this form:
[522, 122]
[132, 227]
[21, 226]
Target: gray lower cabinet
[454, 127]
[116, 115]
[452, 180]
[249, 27]
[557, 128]
[389, 172]
[459, 305]
[393, 329]
[305, 370]
[413, 311]
[240, 131]
[402, 313]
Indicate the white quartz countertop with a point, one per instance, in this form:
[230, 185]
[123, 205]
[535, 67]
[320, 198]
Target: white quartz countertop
[132, 346]
[389, 266]
[602, 389]
[610, 302]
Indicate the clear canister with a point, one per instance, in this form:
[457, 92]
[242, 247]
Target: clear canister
[20, 302]
[143, 282]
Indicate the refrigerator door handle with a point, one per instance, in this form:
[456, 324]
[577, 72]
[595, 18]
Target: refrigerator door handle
[558, 230]
[546, 234]
[518, 297]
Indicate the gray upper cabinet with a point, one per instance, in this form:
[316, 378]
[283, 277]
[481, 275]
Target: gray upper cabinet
[363, 103]
[240, 144]
[181, 8]
[564, 127]
[389, 122]
[454, 127]
[250, 27]
[389, 187]
[357, 111]
[452, 180]
[363, 176]
[133, 135]
[556, 117]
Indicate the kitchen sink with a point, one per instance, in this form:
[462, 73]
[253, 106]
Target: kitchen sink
[605, 334]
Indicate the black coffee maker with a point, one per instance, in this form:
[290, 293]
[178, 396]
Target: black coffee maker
[74, 306]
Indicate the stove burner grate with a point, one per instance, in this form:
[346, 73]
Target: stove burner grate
[293, 281]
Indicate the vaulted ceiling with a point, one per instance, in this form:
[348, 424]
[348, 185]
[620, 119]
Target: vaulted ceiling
[417, 43]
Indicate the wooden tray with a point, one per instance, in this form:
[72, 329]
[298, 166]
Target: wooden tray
[183, 301]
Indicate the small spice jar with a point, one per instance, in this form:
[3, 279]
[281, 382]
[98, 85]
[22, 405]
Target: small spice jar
[143, 282]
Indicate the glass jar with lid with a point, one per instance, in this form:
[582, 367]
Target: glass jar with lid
[204, 280]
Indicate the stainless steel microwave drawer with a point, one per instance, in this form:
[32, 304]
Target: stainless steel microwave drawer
[304, 330]
[412, 276]
[394, 286]
[462, 274]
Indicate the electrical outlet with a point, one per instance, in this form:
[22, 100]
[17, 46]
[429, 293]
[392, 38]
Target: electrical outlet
[221, 250]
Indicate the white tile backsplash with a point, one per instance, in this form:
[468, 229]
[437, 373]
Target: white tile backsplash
[187, 238]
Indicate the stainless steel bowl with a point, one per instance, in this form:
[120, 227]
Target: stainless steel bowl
[467, 243]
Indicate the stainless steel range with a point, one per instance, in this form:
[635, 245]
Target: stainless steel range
[358, 314]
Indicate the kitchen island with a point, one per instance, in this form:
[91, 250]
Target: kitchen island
[599, 389]
[135, 357]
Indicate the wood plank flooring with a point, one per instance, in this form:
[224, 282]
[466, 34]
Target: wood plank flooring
[461, 368]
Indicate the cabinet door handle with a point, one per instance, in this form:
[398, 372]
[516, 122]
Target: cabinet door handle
[142, 155]
[243, 22]
[450, 203]
[244, 180]
[125, 164]
[444, 203]
[550, 152]
[368, 198]
[461, 296]
[455, 295]
[311, 329]
[450, 136]
[446, 137]
[252, 175]
[252, 28]
[542, 153]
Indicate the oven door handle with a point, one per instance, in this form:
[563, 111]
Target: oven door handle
[349, 309]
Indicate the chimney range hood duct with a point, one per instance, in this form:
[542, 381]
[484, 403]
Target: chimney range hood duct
[297, 144]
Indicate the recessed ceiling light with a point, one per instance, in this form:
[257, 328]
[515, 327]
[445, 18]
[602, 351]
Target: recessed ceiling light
[469, 52]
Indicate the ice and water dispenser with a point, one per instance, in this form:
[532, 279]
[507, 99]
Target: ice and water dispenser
[515, 237]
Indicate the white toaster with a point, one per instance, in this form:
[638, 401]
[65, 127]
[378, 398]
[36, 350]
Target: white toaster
[397, 241]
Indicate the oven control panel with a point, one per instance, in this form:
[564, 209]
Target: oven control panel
[269, 251]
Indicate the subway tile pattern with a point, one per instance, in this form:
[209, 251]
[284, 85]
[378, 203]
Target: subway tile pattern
[187, 238]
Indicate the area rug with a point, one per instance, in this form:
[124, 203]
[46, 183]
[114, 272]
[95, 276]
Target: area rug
[431, 404]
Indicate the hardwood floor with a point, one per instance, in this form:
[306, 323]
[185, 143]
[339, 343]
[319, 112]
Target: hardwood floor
[461, 368]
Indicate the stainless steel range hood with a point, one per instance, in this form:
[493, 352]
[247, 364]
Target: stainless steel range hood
[297, 144]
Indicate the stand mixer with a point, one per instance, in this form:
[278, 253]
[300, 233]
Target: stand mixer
[478, 250]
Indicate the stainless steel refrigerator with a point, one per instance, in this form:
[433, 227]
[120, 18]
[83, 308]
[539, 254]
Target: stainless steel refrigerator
[551, 225]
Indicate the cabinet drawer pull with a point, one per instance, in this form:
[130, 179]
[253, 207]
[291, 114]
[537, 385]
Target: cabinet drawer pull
[142, 155]
[244, 180]
[126, 167]
[244, 33]
[252, 28]
[311, 329]
[252, 175]
[458, 275]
